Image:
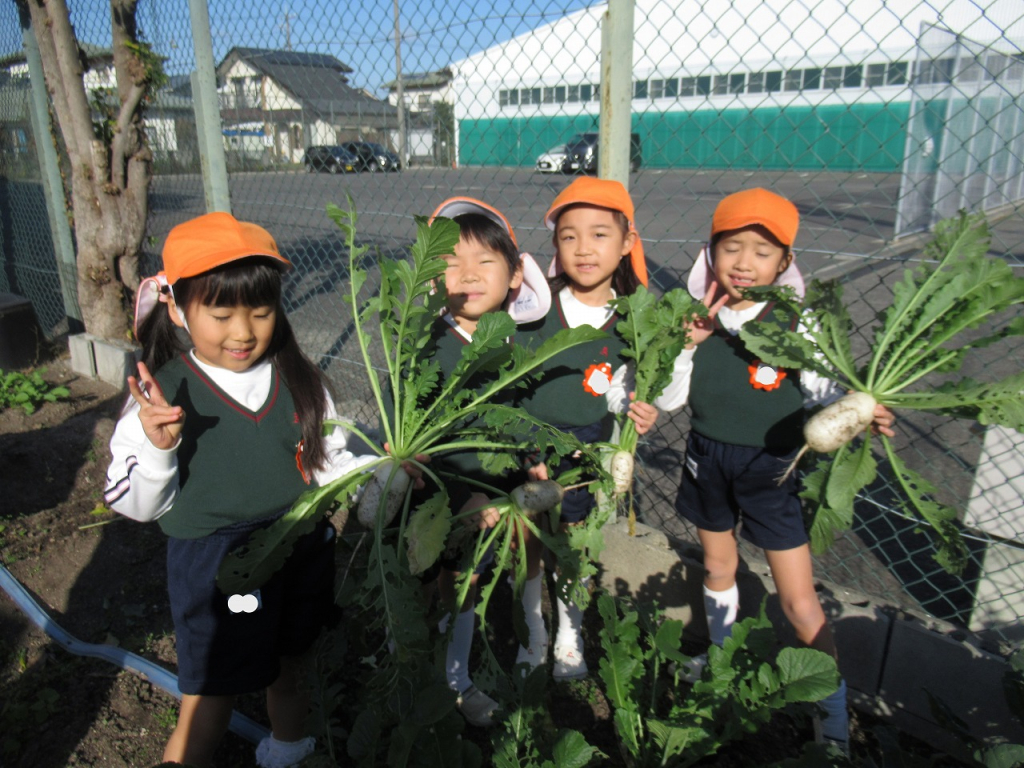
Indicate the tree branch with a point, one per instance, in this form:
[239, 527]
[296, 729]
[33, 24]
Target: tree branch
[123, 144]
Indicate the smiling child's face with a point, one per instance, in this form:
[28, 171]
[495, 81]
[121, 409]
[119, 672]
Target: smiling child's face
[747, 257]
[478, 281]
[591, 242]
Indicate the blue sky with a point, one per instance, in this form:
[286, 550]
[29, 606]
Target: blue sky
[361, 34]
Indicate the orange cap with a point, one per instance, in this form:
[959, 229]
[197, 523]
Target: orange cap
[602, 193]
[212, 240]
[757, 206]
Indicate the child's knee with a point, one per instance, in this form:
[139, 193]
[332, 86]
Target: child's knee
[805, 613]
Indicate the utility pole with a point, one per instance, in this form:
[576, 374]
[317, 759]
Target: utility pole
[400, 91]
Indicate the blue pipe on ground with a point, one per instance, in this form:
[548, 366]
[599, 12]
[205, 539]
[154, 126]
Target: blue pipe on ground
[241, 725]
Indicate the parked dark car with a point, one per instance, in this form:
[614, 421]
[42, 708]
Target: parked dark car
[333, 159]
[372, 156]
[581, 153]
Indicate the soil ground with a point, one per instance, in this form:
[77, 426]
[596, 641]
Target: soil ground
[101, 578]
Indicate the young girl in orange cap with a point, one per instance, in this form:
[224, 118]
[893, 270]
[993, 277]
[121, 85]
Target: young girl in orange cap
[746, 426]
[221, 434]
[598, 256]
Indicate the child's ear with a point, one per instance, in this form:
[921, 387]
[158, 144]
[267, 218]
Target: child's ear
[786, 261]
[516, 279]
[174, 313]
[628, 242]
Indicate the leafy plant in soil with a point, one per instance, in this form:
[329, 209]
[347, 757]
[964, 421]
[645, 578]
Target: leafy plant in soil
[27, 391]
[743, 684]
[924, 333]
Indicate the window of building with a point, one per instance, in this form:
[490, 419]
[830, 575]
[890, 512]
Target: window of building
[875, 75]
[995, 65]
[502, 98]
[560, 94]
[423, 101]
[574, 93]
[970, 70]
[657, 89]
[794, 79]
[721, 85]
[833, 77]
[755, 82]
[852, 76]
[549, 95]
[897, 73]
[640, 89]
[935, 71]
[672, 88]
[534, 96]
[513, 97]
[812, 79]
[773, 81]
[586, 92]
[1015, 71]
[736, 83]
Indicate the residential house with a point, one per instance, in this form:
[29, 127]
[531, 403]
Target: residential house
[427, 97]
[275, 103]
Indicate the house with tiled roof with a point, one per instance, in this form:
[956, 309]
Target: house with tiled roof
[280, 102]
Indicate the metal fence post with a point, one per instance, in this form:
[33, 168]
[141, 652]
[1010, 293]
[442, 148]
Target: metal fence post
[616, 91]
[207, 108]
[53, 186]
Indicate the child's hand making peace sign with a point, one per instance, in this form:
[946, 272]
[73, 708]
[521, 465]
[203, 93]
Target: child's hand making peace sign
[160, 421]
[703, 327]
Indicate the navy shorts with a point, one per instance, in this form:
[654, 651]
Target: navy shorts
[578, 503]
[223, 653]
[723, 484]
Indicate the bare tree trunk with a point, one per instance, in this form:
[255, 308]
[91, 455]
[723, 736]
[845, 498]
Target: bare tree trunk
[109, 184]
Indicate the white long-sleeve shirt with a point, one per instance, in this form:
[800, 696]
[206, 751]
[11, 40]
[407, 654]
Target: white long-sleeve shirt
[142, 480]
[816, 389]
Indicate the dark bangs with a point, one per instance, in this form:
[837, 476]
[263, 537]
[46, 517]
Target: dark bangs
[252, 282]
[488, 232]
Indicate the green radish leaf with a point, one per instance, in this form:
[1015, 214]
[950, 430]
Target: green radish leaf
[427, 532]
[1002, 756]
[673, 740]
[806, 674]
[251, 565]
[825, 520]
[952, 553]
[571, 750]
[1000, 402]
[852, 470]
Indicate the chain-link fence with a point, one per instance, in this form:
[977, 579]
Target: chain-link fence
[874, 118]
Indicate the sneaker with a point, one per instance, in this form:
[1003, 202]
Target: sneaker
[534, 655]
[476, 706]
[569, 663]
[271, 753]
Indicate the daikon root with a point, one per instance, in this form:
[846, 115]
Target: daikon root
[369, 503]
[835, 425]
[536, 496]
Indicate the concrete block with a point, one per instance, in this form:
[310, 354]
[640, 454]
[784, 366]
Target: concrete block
[646, 567]
[969, 680]
[994, 506]
[83, 362]
[999, 596]
[114, 360]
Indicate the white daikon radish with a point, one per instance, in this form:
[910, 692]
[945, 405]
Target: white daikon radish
[369, 503]
[835, 425]
[621, 469]
[536, 496]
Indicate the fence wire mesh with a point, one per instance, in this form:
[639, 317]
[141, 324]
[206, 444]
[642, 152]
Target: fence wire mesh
[874, 118]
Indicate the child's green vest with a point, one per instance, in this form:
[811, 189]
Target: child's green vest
[733, 403]
[233, 464]
[562, 396]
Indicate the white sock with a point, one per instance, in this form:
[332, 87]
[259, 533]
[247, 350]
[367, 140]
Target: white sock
[531, 607]
[457, 658]
[721, 609]
[570, 624]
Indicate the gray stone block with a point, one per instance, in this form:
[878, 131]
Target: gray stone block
[921, 660]
[83, 362]
[115, 360]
